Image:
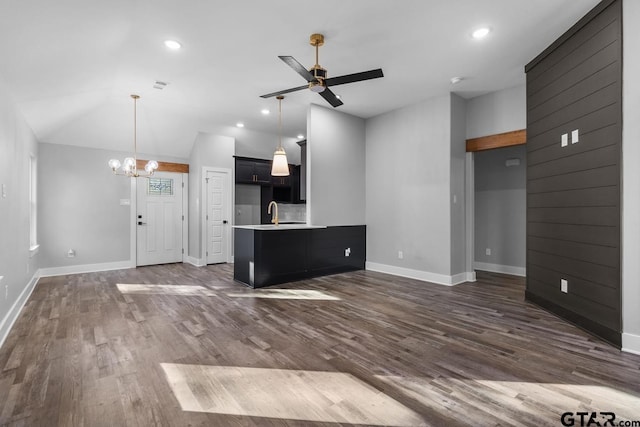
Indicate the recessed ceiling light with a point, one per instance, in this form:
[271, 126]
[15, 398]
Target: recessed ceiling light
[301, 136]
[265, 111]
[172, 44]
[240, 124]
[481, 33]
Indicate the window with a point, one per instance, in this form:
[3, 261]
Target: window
[160, 187]
[33, 205]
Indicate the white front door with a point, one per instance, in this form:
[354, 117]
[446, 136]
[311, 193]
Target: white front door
[218, 227]
[159, 219]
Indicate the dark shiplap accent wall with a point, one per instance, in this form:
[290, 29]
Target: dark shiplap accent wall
[573, 192]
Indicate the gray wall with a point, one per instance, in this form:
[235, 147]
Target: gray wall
[457, 175]
[631, 177]
[497, 112]
[208, 151]
[408, 159]
[500, 207]
[80, 205]
[335, 167]
[17, 144]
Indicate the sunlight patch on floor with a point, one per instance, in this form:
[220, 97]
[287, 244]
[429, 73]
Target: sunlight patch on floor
[515, 396]
[284, 394]
[146, 289]
[302, 294]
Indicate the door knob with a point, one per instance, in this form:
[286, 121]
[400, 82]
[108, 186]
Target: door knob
[142, 223]
[225, 221]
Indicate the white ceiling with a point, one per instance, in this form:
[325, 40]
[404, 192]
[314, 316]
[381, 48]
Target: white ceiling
[72, 64]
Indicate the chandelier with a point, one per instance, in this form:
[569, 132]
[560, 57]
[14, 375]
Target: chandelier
[280, 166]
[130, 164]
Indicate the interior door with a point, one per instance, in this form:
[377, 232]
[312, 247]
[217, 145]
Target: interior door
[159, 219]
[218, 227]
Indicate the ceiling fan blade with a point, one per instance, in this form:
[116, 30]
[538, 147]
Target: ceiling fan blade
[355, 77]
[298, 68]
[282, 92]
[331, 97]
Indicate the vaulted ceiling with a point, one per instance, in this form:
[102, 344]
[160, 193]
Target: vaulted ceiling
[71, 65]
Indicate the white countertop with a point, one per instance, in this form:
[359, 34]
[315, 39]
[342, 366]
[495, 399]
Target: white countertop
[273, 227]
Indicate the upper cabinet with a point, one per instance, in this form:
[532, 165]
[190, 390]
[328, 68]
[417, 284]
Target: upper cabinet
[279, 188]
[253, 171]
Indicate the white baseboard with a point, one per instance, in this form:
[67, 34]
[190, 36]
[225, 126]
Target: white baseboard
[498, 268]
[85, 268]
[426, 276]
[631, 343]
[198, 262]
[16, 308]
[469, 276]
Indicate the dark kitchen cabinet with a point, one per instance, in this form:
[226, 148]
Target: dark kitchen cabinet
[282, 181]
[282, 189]
[574, 117]
[253, 171]
[268, 257]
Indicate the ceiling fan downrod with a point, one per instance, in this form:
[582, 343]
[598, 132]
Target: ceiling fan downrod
[318, 72]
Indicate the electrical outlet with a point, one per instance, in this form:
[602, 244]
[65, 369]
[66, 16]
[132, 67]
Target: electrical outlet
[487, 251]
[400, 255]
[564, 286]
[71, 253]
[347, 252]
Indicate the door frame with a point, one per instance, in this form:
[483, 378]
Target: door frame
[133, 211]
[204, 234]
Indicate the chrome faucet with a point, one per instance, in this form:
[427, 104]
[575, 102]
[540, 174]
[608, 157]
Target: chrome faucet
[274, 218]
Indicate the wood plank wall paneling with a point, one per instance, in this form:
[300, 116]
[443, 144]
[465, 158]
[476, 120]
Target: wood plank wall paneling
[573, 192]
[506, 139]
[166, 166]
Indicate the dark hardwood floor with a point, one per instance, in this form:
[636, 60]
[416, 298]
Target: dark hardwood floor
[176, 345]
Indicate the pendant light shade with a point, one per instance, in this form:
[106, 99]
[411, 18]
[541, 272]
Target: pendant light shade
[280, 166]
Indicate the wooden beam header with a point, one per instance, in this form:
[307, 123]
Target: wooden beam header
[166, 166]
[499, 140]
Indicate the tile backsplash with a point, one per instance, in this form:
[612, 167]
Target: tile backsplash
[288, 212]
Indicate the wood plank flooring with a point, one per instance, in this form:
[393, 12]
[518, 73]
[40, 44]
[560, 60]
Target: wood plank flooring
[176, 345]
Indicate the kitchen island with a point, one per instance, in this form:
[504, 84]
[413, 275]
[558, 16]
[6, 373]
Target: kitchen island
[271, 254]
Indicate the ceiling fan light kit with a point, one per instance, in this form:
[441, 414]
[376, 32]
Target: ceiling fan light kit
[316, 76]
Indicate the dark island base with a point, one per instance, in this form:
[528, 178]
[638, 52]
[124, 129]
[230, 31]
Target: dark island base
[268, 257]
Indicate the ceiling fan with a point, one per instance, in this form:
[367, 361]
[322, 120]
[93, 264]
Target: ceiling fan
[316, 76]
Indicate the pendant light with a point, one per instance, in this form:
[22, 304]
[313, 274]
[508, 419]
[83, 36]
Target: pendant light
[280, 166]
[130, 164]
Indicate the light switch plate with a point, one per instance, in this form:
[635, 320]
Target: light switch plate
[564, 285]
[575, 136]
[564, 140]
[4, 191]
